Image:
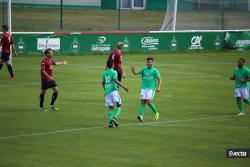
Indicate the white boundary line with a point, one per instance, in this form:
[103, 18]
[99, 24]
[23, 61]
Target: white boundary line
[125, 125]
[199, 31]
[205, 126]
[91, 81]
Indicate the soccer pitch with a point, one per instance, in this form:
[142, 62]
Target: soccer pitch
[198, 120]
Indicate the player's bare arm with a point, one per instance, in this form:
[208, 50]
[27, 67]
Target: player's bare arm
[158, 89]
[134, 71]
[46, 74]
[120, 84]
[245, 80]
[13, 49]
[123, 73]
[62, 63]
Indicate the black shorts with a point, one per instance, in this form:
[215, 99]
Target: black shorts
[119, 77]
[5, 56]
[47, 85]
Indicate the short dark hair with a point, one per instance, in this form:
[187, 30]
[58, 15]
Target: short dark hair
[119, 45]
[242, 59]
[47, 51]
[150, 58]
[110, 63]
[5, 27]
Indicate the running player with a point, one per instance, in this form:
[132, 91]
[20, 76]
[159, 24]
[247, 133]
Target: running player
[7, 44]
[109, 83]
[241, 75]
[47, 79]
[150, 75]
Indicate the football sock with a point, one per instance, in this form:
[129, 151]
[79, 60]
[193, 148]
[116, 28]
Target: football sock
[118, 112]
[41, 100]
[110, 114]
[10, 70]
[1, 66]
[239, 104]
[53, 99]
[142, 109]
[247, 101]
[153, 108]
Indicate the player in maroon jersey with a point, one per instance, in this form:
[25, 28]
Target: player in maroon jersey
[7, 43]
[47, 79]
[116, 57]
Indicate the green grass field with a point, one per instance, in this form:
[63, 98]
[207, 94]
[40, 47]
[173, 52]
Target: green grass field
[198, 120]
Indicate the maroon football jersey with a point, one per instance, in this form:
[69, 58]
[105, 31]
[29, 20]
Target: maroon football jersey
[6, 41]
[116, 57]
[47, 65]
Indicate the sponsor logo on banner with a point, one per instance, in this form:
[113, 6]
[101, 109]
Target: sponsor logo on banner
[196, 43]
[173, 44]
[217, 43]
[44, 43]
[75, 46]
[126, 45]
[150, 43]
[20, 46]
[101, 45]
[241, 43]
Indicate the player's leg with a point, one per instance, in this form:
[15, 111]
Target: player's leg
[142, 110]
[110, 105]
[9, 66]
[239, 105]
[245, 95]
[149, 98]
[153, 108]
[1, 63]
[41, 98]
[119, 78]
[110, 115]
[54, 96]
[118, 102]
[238, 100]
[117, 113]
[142, 105]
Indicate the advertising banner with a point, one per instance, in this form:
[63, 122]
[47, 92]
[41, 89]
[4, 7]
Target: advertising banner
[238, 40]
[73, 43]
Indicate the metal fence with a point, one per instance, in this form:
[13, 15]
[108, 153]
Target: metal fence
[191, 15]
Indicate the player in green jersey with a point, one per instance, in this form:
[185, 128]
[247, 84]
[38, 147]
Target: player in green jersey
[151, 82]
[241, 75]
[109, 83]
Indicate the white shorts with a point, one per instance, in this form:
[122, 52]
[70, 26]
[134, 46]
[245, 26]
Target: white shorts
[147, 94]
[242, 92]
[113, 98]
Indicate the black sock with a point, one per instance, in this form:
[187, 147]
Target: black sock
[41, 100]
[1, 66]
[53, 99]
[10, 70]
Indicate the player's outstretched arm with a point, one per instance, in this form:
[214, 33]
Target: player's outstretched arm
[134, 71]
[62, 63]
[121, 85]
